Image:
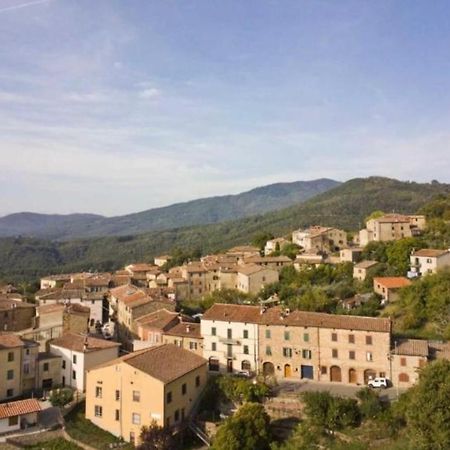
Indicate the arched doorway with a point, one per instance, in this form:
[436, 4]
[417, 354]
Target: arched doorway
[352, 377]
[335, 374]
[287, 371]
[403, 378]
[245, 365]
[369, 374]
[268, 369]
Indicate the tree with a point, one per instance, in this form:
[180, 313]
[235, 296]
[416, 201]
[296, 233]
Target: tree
[375, 215]
[399, 252]
[428, 410]
[247, 429]
[370, 404]
[155, 437]
[259, 240]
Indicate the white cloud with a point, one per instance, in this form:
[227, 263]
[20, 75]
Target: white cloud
[150, 93]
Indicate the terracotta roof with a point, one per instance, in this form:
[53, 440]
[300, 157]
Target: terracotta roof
[440, 349]
[9, 303]
[275, 316]
[76, 342]
[142, 267]
[19, 408]
[233, 313]
[127, 292]
[250, 269]
[388, 218]
[366, 264]
[268, 259]
[160, 319]
[10, 340]
[411, 347]
[185, 329]
[165, 362]
[51, 308]
[392, 282]
[76, 308]
[195, 267]
[430, 252]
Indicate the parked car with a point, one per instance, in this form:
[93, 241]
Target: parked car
[244, 374]
[378, 382]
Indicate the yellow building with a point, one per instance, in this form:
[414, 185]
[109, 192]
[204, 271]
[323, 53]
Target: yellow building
[10, 366]
[161, 383]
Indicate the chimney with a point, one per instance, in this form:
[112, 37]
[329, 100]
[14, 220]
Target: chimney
[85, 345]
[188, 328]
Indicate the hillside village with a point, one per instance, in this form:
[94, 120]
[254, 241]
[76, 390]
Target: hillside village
[141, 345]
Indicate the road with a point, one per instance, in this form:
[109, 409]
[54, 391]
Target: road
[294, 387]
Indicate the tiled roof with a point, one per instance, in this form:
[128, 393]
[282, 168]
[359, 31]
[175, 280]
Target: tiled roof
[19, 408]
[160, 319]
[267, 259]
[277, 316]
[411, 347]
[10, 340]
[392, 282]
[366, 264]
[430, 252]
[392, 218]
[185, 329]
[165, 362]
[8, 303]
[250, 269]
[50, 308]
[142, 267]
[243, 249]
[76, 342]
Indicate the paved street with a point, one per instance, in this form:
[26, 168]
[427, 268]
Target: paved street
[294, 387]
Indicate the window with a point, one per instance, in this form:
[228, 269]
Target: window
[117, 395]
[63, 364]
[287, 335]
[268, 334]
[351, 354]
[98, 391]
[213, 331]
[177, 415]
[192, 345]
[229, 351]
[268, 350]
[323, 370]
[229, 333]
[197, 381]
[306, 337]
[334, 353]
[10, 374]
[10, 356]
[46, 367]
[9, 392]
[306, 354]
[213, 364]
[74, 375]
[13, 421]
[368, 340]
[334, 337]
[74, 359]
[369, 356]
[245, 349]
[403, 361]
[117, 416]
[213, 346]
[136, 418]
[245, 334]
[287, 352]
[167, 422]
[98, 411]
[136, 396]
[351, 338]
[26, 368]
[169, 397]
[183, 389]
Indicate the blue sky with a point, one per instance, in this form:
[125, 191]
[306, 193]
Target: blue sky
[114, 106]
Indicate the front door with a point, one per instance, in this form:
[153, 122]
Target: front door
[229, 365]
[352, 376]
[307, 372]
[287, 371]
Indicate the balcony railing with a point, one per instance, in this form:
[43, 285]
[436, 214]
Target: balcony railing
[229, 341]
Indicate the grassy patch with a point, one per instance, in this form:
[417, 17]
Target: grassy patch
[85, 431]
[54, 444]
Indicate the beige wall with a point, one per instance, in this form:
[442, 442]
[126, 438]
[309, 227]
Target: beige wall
[252, 284]
[53, 372]
[405, 369]
[194, 345]
[153, 398]
[15, 365]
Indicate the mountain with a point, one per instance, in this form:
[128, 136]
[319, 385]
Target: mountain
[345, 206]
[196, 212]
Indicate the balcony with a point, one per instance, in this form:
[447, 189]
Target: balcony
[229, 341]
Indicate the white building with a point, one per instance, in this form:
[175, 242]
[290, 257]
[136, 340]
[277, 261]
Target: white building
[230, 338]
[80, 353]
[19, 414]
[428, 260]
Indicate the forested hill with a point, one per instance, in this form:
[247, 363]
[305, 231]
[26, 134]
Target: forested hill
[197, 212]
[345, 206]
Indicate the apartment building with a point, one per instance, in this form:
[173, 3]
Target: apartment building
[318, 239]
[80, 353]
[427, 261]
[161, 383]
[10, 366]
[230, 338]
[391, 227]
[185, 335]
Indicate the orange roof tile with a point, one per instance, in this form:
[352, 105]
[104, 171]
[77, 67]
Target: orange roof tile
[392, 282]
[19, 408]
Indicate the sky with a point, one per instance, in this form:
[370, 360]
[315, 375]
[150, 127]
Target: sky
[114, 106]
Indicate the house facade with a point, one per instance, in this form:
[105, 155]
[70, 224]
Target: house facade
[428, 261]
[388, 287]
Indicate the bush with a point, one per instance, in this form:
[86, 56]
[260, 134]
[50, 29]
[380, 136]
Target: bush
[370, 404]
[61, 397]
